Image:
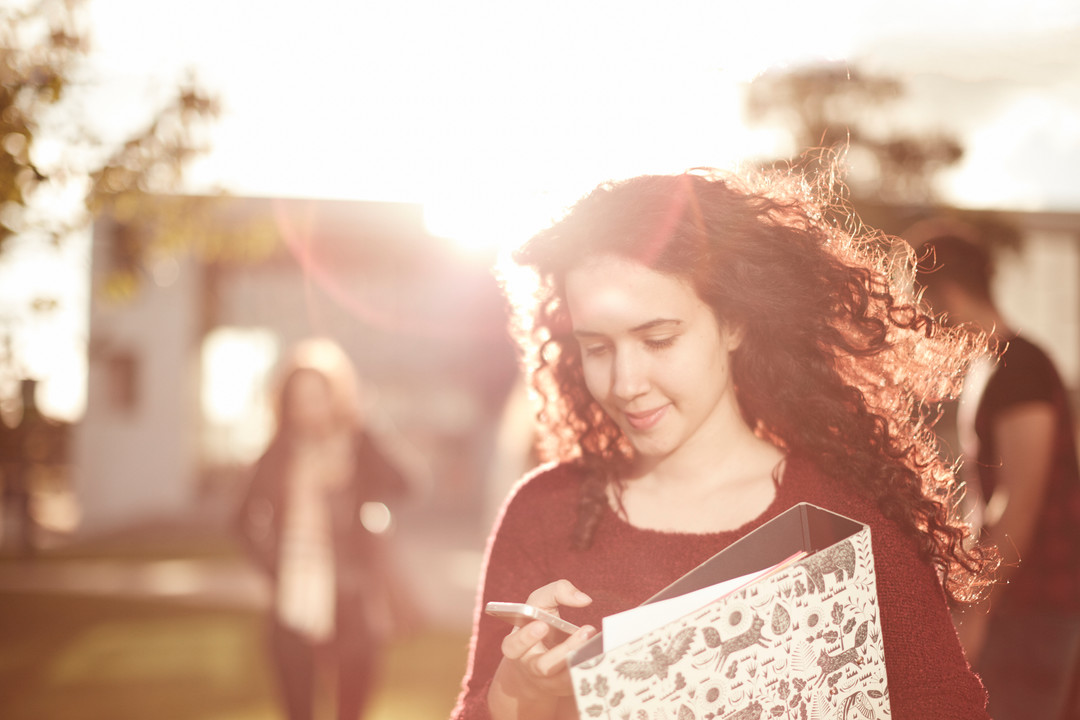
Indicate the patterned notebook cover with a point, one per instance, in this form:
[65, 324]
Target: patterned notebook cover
[803, 643]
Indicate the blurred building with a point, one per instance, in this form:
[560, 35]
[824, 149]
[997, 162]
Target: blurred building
[179, 361]
[189, 321]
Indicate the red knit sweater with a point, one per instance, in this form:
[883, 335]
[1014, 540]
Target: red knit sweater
[929, 677]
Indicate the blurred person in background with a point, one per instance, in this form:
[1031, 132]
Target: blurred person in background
[17, 521]
[312, 519]
[1017, 438]
[33, 442]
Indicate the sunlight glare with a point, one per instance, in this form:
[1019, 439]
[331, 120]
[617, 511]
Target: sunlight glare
[44, 294]
[498, 126]
[237, 364]
[62, 393]
[488, 221]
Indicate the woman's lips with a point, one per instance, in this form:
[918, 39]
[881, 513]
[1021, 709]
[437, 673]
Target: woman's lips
[645, 420]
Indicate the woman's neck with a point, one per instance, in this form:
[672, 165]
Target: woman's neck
[751, 457]
[716, 481]
[722, 450]
[717, 498]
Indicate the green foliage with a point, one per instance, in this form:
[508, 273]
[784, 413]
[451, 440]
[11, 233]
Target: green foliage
[43, 46]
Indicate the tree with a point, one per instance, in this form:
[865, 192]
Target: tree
[43, 48]
[50, 149]
[833, 106]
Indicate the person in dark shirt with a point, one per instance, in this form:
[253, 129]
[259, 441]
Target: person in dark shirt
[1021, 445]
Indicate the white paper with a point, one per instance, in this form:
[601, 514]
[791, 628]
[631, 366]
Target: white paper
[631, 624]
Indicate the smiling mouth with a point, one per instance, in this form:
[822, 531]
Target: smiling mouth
[645, 420]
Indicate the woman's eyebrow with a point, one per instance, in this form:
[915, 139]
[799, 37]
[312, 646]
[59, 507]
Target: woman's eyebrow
[643, 327]
[653, 324]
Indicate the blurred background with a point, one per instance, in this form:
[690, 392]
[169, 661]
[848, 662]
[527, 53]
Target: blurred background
[189, 188]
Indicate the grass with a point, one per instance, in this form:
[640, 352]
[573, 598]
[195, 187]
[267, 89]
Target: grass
[422, 676]
[152, 541]
[73, 657]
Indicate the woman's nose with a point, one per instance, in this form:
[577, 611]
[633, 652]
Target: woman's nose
[630, 376]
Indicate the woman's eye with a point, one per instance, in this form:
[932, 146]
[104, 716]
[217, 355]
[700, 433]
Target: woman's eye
[594, 349]
[660, 343]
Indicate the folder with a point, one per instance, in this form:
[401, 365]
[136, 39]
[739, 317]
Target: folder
[800, 643]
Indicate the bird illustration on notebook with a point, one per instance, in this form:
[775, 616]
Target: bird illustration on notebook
[661, 659]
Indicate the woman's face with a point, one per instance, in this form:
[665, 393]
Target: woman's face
[310, 404]
[655, 357]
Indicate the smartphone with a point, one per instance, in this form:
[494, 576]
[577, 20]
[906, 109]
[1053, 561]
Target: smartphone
[519, 614]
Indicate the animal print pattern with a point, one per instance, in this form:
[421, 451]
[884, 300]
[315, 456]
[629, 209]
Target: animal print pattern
[801, 644]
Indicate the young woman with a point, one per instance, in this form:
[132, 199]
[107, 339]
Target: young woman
[710, 352]
[302, 521]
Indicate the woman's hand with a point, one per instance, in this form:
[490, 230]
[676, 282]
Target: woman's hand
[533, 680]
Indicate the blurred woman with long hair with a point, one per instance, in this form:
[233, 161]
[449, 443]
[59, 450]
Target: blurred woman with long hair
[311, 519]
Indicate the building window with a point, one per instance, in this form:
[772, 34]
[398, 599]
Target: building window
[122, 383]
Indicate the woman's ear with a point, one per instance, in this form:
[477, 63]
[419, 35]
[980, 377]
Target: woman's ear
[733, 335]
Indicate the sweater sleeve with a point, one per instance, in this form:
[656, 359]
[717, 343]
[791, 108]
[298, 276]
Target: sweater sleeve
[515, 565]
[929, 676]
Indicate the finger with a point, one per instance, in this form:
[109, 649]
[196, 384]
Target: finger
[561, 592]
[553, 661]
[520, 641]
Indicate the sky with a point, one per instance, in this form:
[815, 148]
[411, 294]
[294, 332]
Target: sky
[496, 115]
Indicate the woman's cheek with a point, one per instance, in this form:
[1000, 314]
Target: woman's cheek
[597, 378]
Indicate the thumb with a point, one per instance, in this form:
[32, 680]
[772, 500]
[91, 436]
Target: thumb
[560, 592]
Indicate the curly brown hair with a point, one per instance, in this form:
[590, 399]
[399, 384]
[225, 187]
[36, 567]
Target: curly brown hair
[839, 362]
